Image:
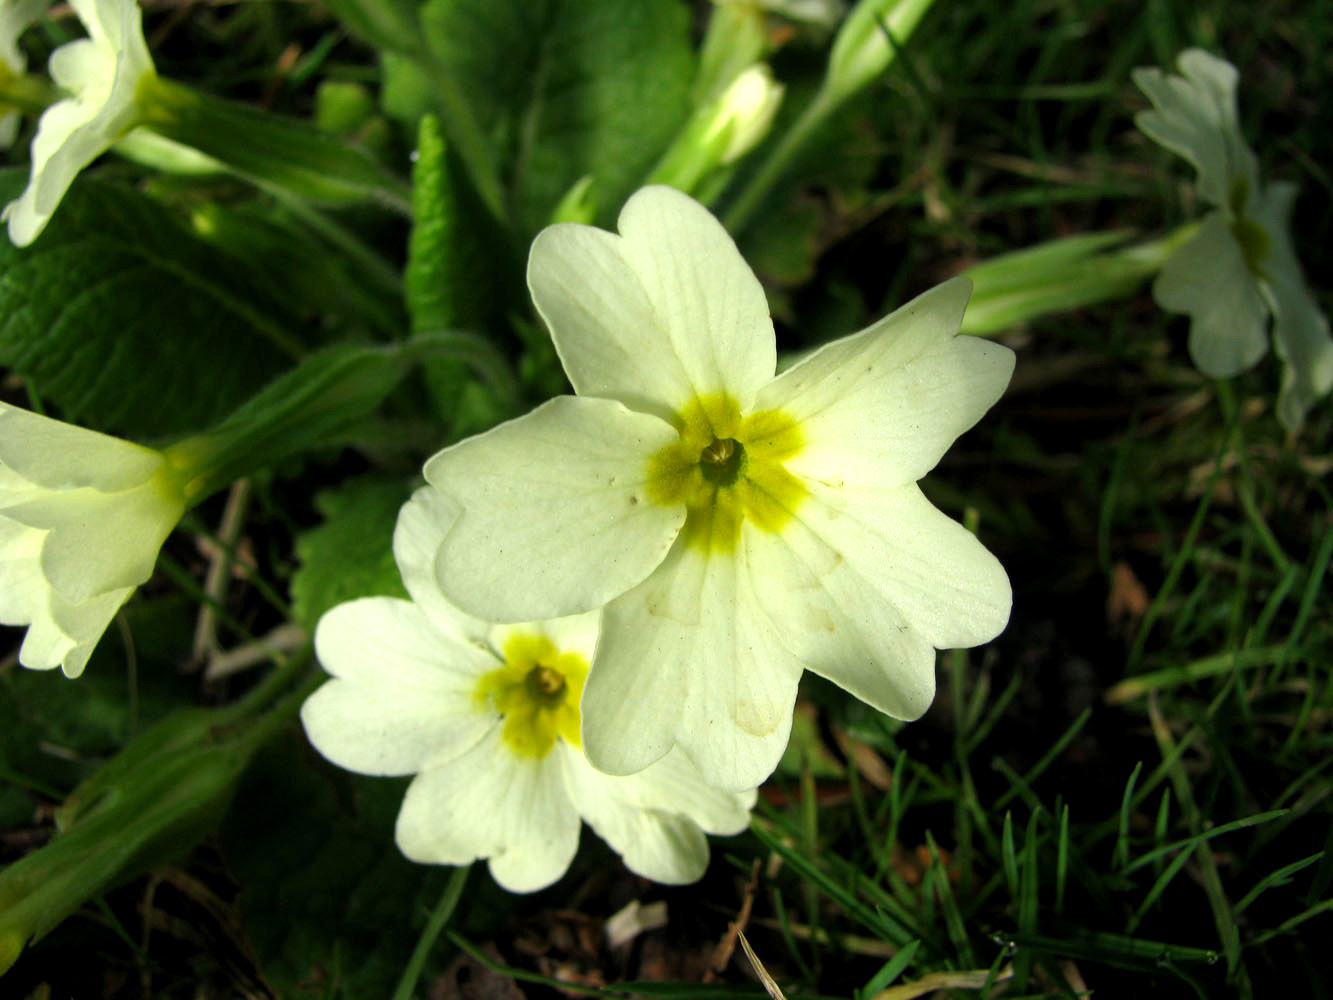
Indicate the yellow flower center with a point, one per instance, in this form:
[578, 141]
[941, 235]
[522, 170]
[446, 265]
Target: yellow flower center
[537, 691]
[727, 469]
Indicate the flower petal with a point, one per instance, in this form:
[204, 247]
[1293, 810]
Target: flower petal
[97, 542]
[608, 335]
[688, 657]
[401, 696]
[490, 803]
[666, 312]
[21, 580]
[1209, 280]
[864, 585]
[662, 845]
[423, 523]
[712, 306]
[1194, 116]
[556, 514]
[881, 407]
[15, 18]
[674, 784]
[65, 634]
[61, 456]
[1300, 328]
[103, 72]
[389, 730]
[380, 641]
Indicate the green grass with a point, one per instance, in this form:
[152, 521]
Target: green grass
[1130, 791]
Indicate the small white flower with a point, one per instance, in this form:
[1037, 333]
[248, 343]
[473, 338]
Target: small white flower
[487, 718]
[1240, 267]
[102, 75]
[739, 528]
[741, 116]
[82, 517]
[15, 18]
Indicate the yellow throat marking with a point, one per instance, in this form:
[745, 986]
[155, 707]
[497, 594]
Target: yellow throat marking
[727, 469]
[537, 691]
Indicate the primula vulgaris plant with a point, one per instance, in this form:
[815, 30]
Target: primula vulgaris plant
[1239, 269]
[15, 18]
[487, 719]
[738, 527]
[82, 517]
[102, 76]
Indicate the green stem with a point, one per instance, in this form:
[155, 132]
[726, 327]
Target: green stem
[269, 149]
[30, 94]
[444, 909]
[477, 352]
[375, 266]
[770, 172]
[1192, 533]
[466, 135]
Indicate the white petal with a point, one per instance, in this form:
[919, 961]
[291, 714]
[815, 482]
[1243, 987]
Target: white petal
[114, 24]
[490, 803]
[384, 641]
[675, 784]
[664, 846]
[66, 633]
[15, 17]
[1300, 328]
[402, 696]
[880, 407]
[389, 730]
[21, 582]
[709, 301]
[45, 647]
[1194, 116]
[609, 337]
[864, 586]
[688, 658]
[1209, 280]
[556, 515]
[98, 542]
[664, 312]
[74, 132]
[59, 456]
[423, 523]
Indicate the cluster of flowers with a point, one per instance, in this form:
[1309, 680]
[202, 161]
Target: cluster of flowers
[677, 543]
[1239, 269]
[614, 597]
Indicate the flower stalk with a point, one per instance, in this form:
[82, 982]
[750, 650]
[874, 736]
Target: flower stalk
[865, 46]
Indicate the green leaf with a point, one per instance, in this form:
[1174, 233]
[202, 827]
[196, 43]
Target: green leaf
[328, 897]
[565, 88]
[320, 403]
[130, 323]
[151, 802]
[350, 555]
[459, 272]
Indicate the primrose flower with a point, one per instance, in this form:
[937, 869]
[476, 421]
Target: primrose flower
[487, 718]
[82, 517]
[102, 75]
[1239, 267]
[15, 17]
[739, 528]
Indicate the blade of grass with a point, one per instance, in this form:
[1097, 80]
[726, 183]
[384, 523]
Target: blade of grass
[890, 970]
[1047, 758]
[444, 909]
